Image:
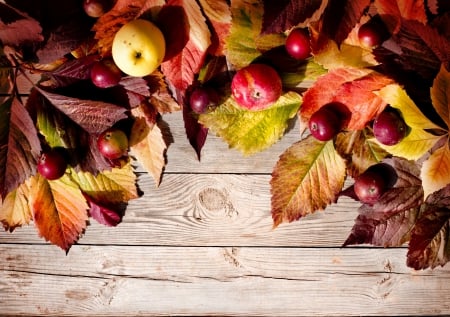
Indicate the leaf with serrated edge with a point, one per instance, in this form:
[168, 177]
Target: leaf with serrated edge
[147, 144]
[308, 177]
[115, 186]
[181, 69]
[59, 210]
[19, 145]
[440, 95]
[15, 210]
[435, 171]
[245, 42]
[418, 141]
[252, 131]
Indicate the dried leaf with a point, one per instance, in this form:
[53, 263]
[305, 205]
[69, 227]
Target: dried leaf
[219, 15]
[435, 172]
[280, 16]
[147, 144]
[252, 131]
[15, 210]
[392, 12]
[181, 69]
[308, 177]
[19, 145]
[59, 210]
[440, 95]
[93, 116]
[17, 28]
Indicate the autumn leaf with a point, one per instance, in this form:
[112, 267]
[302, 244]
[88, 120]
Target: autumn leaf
[14, 209]
[429, 245]
[245, 42]
[352, 87]
[160, 95]
[59, 210]
[440, 95]
[389, 221]
[19, 145]
[393, 11]
[418, 141]
[181, 69]
[93, 116]
[17, 28]
[358, 151]
[435, 171]
[73, 71]
[339, 19]
[147, 143]
[308, 177]
[108, 192]
[280, 16]
[219, 15]
[252, 131]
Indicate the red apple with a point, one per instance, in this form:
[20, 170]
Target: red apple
[256, 87]
[297, 44]
[96, 8]
[105, 73]
[52, 163]
[113, 143]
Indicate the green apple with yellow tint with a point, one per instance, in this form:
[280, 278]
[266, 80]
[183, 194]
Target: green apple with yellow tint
[138, 48]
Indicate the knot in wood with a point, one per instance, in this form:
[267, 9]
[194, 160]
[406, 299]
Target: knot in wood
[213, 199]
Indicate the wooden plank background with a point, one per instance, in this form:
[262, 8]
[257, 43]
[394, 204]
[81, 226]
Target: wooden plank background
[202, 243]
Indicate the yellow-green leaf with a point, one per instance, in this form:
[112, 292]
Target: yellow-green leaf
[115, 186]
[418, 141]
[245, 42]
[15, 210]
[59, 210]
[435, 172]
[308, 177]
[440, 95]
[252, 131]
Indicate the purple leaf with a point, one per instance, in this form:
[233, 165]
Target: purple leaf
[196, 133]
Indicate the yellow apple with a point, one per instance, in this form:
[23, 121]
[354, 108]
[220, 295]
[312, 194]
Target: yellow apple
[138, 48]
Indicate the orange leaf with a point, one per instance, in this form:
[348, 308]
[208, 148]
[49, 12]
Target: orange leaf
[435, 171]
[181, 69]
[308, 177]
[147, 143]
[219, 15]
[14, 210]
[393, 11]
[352, 87]
[440, 95]
[59, 210]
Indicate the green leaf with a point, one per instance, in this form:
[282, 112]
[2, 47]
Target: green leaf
[252, 131]
[308, 177]
[245, 42]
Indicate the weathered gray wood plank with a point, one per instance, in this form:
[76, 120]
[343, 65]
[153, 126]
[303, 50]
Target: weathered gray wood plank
[126, 280]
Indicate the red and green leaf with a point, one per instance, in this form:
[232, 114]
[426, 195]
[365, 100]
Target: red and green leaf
[308, 177]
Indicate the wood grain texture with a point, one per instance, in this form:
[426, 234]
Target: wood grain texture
[140, 280]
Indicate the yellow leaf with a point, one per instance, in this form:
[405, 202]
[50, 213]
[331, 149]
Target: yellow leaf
[398, 98]
[59, 210]
[147, 144]
[114, 186]
[14, 210]
[435, 171]
[418, 141]
[440, 95]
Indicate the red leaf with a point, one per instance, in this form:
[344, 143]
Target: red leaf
[93, 116]
[389, 221]
[339, 18]
[181, 69]
[109, 216]
[19, 145]
[352, 87]
[280, 16]
[17, 28]
[136, 89]
[73, 71]
[195, 132]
